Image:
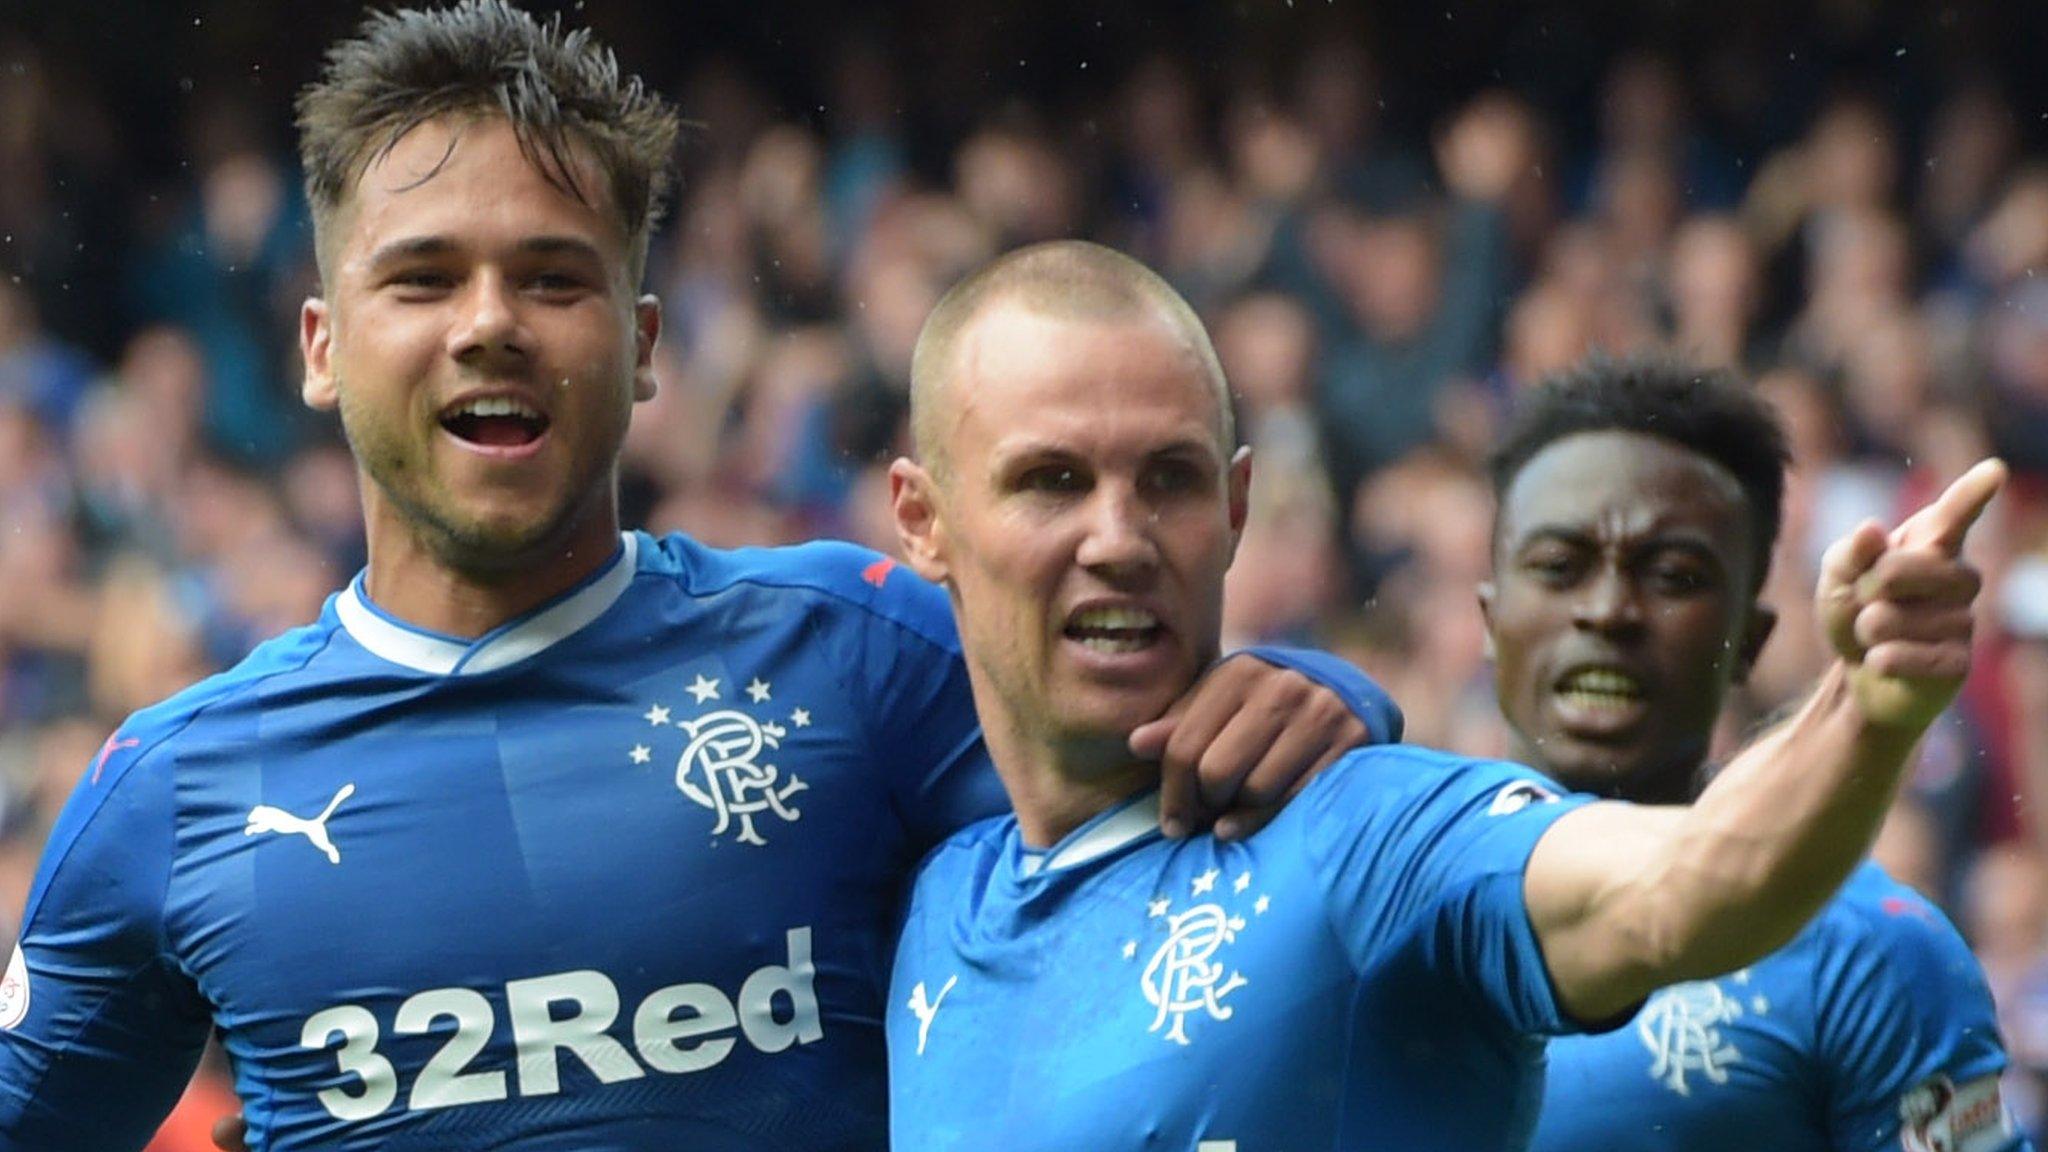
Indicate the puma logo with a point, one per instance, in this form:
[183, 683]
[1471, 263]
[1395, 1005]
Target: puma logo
[264, 818]
[924, 1010]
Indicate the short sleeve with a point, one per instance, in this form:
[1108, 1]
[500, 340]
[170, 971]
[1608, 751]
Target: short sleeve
[1366, 699]
[920, 707]
[1907, 1036]
[1423, 851]
[99, 1029]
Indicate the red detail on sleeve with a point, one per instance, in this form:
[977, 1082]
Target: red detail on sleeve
[114, 744]
[878, 571]
[1900, 906]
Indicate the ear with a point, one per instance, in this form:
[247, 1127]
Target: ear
[1238, 488]
[1486, 593]
[1762, 621]
[914, 497]
[316, 340]
[646, 333]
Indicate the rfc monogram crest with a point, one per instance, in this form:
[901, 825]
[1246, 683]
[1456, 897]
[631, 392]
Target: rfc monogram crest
[726, 764]
[1683, 1029]
[1187, 973]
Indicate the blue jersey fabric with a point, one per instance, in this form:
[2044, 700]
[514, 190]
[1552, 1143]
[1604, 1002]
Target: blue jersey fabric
[623, 874]
[1361, 973]
[1874, 1014]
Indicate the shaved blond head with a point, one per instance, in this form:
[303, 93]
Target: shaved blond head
[1063, 279]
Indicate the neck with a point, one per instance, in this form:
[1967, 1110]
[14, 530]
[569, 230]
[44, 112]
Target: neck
[1057, 786]
[421, 583]
[1676, 783]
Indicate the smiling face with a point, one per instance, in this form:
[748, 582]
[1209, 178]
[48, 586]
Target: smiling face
[1620, 610]
[481, 338]
[1083, 522]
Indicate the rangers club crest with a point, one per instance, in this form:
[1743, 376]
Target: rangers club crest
[1684, 1027]
[725, 759]
[1188, 973]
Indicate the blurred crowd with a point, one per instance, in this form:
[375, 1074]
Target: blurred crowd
[1379, 292]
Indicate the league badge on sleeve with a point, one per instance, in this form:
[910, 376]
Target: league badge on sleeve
[14, 992]
[1939, 1115]
[1519, 795]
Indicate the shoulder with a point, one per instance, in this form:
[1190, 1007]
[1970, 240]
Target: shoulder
[1406, 774]
[1891, 972]
[977, 841]
[959, 862]
[148, 732]
[1877, 917]
[828, 572]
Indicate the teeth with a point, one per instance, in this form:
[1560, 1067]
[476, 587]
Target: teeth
[1115, 619]
[1114, 643]
[496, 406]
[1602, 682]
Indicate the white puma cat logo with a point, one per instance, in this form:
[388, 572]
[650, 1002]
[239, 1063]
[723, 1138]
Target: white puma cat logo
[924, 1011]
[264, 818]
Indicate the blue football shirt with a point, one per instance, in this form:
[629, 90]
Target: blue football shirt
[1361, 973]
[622, 874]
[1872, 1030]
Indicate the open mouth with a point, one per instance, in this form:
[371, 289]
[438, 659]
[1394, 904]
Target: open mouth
[1601, 692]
[495, 422]
[1114, 629]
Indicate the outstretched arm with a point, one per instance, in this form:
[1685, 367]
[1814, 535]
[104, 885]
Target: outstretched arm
[1626, 899]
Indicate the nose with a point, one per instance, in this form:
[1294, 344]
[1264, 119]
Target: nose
[1119, 543]
[1607, 602]
[489, 325]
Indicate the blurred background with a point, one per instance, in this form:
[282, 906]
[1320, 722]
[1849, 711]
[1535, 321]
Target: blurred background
[1393, 218]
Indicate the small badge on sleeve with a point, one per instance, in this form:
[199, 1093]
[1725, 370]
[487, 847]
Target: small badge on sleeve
[1938, 1115]
[14, 992]
[1518, 796]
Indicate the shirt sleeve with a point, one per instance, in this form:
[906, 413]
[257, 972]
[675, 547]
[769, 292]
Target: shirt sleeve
[99, 1029]
[920, 708]
[1906, 1035]
[1366, 699]
[1425, 852]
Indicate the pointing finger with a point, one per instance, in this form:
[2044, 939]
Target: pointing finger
[1943, 524]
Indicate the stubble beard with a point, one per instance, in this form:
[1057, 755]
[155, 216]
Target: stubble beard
[477, 549]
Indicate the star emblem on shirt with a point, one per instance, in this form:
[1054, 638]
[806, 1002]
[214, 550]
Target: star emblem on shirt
[800, 717]
[1130, 949]
[657, 716]
[1157, 907]
[641, 753]
[1260, 905]
[1243, 881]
[758, 691]
[703, 689]
[1206, 882]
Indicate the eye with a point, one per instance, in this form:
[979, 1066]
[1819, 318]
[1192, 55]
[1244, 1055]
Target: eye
[557, 285]
[421, 281]
[1052, 480]
[1679, 578]
[1176, 477]
[1553, 565]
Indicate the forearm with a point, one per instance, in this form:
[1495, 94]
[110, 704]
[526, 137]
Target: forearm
[1627, 899]
[1773, 836]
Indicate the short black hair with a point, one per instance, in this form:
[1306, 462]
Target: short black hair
[1709, 412]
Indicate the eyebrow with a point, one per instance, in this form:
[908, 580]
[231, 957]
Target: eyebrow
[425, 247]
[1658, 540]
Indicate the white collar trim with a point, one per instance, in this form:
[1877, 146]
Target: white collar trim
[1112, 832]
[439, 655]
